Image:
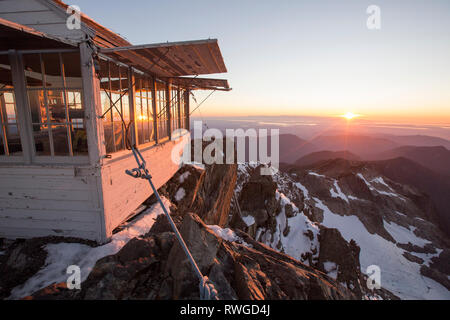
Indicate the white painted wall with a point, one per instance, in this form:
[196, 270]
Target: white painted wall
[122, 194]
[48, 200]
[82, 202]
[41, 15]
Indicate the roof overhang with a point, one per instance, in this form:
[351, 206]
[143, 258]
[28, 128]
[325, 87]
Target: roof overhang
[201, 83]
[19, 37]
[172, 59]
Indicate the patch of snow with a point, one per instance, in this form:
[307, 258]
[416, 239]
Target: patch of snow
[180, 194]
[404, 235]
[331, 269]
[316, 174]
[227, 234]
[381, 181]
[304, 190]
[296, 242]
[364, 179]
[398, 274]
[353, 197]
[338, 193]
[427, 257]
[62, 255]
[399, 213]
[184, 176]
[249, 220]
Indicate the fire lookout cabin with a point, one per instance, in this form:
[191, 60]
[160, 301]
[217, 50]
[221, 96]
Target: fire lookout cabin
[63, 95]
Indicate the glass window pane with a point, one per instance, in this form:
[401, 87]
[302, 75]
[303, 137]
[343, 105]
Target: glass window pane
[41, 140]
[56, 106]
[5, 73]
[32, 68]
[107, 123]
[55, 99]
[72, 70]
[9, 129]
[37, 106]
[79, 139]
[60, 141]
[52, 66]
[13, 138]
[2, 146]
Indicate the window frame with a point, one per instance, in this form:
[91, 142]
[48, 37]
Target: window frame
[24, 119]
[158, 90]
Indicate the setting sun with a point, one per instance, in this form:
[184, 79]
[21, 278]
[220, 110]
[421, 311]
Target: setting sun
[349, 115]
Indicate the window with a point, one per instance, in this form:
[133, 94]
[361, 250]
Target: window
[114, 97]
[174, 109]
[144, 114]
[183, 116]
[10, 143]
[54, 88]
[162, 113]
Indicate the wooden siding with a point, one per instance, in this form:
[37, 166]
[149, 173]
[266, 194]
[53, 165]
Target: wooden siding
[42, 201]
[39, 15]
[122, 194]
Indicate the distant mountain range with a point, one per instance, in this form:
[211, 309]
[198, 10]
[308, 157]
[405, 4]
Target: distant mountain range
[434, 158]
[425, 166]
[325, 155]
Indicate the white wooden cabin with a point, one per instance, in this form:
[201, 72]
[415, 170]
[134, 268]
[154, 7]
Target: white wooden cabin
[63, 150]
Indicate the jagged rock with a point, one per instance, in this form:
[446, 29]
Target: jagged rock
[155, 267]
[442, 262]
[56, 291]
[251, 271]
[180, 189]
[412, 257]
[258, 199]
[204, 246]
[435, 275]
[213, 193]
[345, 255]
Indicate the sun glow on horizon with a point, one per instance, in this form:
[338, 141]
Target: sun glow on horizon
[350, 115]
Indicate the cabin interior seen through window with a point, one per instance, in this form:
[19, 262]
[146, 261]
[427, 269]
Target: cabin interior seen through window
[54, 88]
[10, 143]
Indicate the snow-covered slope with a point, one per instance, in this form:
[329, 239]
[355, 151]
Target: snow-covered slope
[392, 224]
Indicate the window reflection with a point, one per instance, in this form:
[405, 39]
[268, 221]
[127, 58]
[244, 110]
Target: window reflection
[10, 143]
[55, 99]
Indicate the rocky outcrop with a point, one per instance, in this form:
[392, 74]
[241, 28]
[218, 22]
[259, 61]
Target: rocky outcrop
[356, 199]
[154, 267]
[258, 202]
[343, 257]
[213, 193]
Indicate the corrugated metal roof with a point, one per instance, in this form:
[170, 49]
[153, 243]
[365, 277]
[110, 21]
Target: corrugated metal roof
[201, 83]
[172, 59]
